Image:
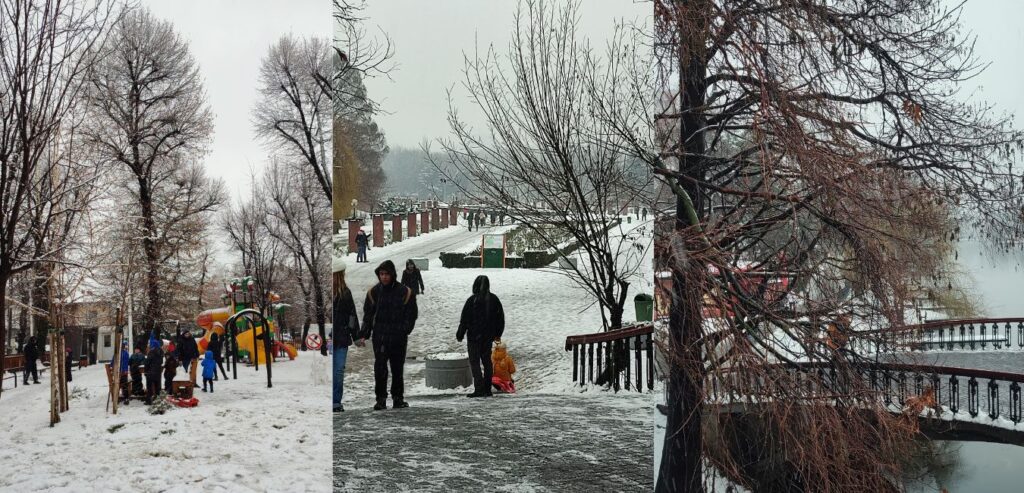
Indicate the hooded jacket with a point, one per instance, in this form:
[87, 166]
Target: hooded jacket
[483, 317]
[504, 366]
[170, 366]
[209, 366]
[413, 279]
[362, 239]
[389, 311]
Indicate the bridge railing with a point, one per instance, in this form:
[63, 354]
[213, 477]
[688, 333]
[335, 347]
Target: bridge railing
[624, 357]
[945, 389]
[949, 335]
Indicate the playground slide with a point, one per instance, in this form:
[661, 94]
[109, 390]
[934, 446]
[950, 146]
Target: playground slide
[288, 348]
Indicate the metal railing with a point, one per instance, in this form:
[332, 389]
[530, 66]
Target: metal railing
[952, 390]
[613, 362]
[950, 335]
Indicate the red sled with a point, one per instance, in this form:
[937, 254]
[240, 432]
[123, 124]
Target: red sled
[190, 402]
[504, 386]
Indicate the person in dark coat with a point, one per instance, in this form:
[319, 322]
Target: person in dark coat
[31, 353]
[135, 363]
[482, 323]
[125, 366]
[67, 363]
[389, 315]
[188, 353]
[412, 278]
[170, 371]
[216, 346]
[346, 330]
[154, 363]
[362, 245]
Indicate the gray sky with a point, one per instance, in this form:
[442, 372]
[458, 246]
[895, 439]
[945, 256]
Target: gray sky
[431, 37]
[228, 39]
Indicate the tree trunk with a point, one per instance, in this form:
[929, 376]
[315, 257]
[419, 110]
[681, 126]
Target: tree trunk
[4, 278]
[154, 304]
[680, 468]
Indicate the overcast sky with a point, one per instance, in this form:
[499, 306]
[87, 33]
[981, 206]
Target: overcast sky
[431, 37]
[229, 38]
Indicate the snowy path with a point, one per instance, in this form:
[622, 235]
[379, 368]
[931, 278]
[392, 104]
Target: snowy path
[547, 419]
[245, 437]
[524, 443]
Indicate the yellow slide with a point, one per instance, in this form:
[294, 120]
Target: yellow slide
[213, 322]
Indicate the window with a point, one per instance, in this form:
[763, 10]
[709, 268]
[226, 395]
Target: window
[106, 340]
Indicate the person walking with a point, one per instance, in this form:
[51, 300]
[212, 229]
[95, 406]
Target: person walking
[389, 315]
[362, 245]
[31, 353]
[216, 346]
[482, 323]
[209, 370]
[346, 329]
[412, 278]
[188, 353]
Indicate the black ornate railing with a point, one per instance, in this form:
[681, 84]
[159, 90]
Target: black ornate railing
[950, 389]
[949, 335]
[613, 362]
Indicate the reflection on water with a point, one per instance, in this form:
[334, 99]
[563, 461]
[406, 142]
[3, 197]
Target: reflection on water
[978, 466]
[967, 467]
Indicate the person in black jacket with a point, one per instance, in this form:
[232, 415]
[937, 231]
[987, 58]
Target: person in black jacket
[154, 363]
[217, 346]
[482, 323]
[31, 354]
[389, 314]
[188, 354]
[412, 278]
[346, 329]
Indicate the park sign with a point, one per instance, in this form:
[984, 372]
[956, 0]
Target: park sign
[492, 251]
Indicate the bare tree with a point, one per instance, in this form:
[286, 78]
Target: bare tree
[544, 160]
[294, 113]
[247, 225]
[357, 55]
[150, 115]
[816, 147]
[45, 49]
[299, 217]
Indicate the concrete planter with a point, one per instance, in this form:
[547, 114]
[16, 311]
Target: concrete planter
[421, 263]
[567, 262]
[448, 371]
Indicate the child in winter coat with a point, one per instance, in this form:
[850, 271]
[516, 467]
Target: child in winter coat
[209, 370]
[154, 358]
[170, 370]
[504, 367]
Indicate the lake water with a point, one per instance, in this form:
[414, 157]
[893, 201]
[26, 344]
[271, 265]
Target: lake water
[978, 466]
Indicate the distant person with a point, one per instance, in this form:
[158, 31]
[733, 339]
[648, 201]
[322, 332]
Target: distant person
[122, 373]
[67, 363]
[482, 323]
[412, 278]
[389, 315]
[188, 352]
[170, 371]
[154, 362]
[643, 213]
[346, 329]
[31, 353]
[209, 370]
[217, 346]
[362, 245]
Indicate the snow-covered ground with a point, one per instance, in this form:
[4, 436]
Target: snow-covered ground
[550, 436]
[244, 437]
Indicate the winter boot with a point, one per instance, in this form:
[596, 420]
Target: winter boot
[380, 406]
[400, 405]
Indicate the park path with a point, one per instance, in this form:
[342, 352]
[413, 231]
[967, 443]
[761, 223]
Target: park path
[548, 437]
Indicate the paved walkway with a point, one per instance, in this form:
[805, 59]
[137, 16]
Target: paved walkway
[585, 442]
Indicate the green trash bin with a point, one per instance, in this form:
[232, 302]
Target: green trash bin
[644, 307]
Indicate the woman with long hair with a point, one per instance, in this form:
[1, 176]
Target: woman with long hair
[346, 327]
